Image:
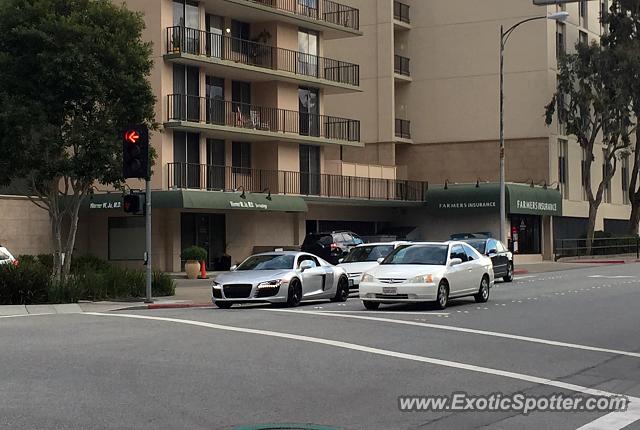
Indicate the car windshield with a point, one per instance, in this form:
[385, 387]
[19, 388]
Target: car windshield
[435, 255]
[267, 262]
[479, 245]
[368, 253]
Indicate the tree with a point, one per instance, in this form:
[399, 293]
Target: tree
[595, 108]
[623, 37]
[73, 74]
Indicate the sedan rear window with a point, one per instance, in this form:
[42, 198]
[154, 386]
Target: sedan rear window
[368, 253]
[267, 262]
[435, 255]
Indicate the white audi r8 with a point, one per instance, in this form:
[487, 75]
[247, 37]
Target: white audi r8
[286, 277]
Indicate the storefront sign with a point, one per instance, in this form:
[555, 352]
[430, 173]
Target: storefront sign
[537, 206]
[105, 205]
[467, 205]
[248, 205]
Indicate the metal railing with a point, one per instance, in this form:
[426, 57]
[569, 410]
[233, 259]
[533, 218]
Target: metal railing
[321, 10]
[228, 178]
[600, 246]
[401, 12]
[403, 128]
[202, 43]
[401, 65]
[226, 113]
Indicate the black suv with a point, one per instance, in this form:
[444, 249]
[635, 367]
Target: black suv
[330, 246]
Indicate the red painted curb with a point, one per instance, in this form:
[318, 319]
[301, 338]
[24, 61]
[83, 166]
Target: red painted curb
[597, 262]
[178, 305]
[520, 271]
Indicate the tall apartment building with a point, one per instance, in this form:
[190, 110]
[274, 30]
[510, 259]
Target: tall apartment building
[430, 107]
[247, 141]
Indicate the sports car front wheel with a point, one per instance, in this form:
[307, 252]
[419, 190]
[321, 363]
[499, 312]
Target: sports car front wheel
[343, 291]
[295, 293]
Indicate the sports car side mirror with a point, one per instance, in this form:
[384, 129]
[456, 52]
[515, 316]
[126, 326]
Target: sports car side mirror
[233, 268]
[492, 251]
[455, 261]
[380, 260]
[341, 260]
[306, 265]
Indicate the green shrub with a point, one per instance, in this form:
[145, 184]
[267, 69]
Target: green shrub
[194, 253]
[163, 284]
[24, 284]
[27, 259]
[46, 260]
[89, 262]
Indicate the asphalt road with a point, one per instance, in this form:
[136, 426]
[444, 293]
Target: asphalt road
[330, 364]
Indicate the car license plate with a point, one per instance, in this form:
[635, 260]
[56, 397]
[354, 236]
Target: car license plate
[389, 290]
[351, 282]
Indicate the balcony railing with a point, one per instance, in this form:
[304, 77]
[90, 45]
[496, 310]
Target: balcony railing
[401, 65]
[227, 178]
[321, 10]
[213, 45]
[401, 12]
[403, 128]
[225, 113]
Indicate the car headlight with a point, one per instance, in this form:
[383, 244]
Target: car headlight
[270, 284]
[368, 278]
[422, 279]
[216, 285]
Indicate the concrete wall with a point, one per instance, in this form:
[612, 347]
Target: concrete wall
[24, 227]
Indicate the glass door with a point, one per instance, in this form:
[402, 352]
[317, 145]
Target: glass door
[309, 170]
[216, 164]
[307, 52]
[215, 41]
[309, 110]
[241, 97]
[214, 93]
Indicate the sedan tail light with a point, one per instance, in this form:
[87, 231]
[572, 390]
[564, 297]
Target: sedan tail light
[333, 246]
[16, 263]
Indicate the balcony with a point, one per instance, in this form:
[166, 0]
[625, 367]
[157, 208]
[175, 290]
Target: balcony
[324, 15]
[227, 178]
[244, 59]
[403, 128]
[401, 12]
[401, 67]
[227, 119]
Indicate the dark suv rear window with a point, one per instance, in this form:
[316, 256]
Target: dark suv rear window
[324, 239]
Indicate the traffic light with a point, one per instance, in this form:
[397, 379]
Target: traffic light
[135, 152]
[131, 203]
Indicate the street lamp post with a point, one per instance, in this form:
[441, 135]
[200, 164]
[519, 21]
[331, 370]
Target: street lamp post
[504, 37]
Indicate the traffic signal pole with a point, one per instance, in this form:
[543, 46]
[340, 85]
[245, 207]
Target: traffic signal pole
[147, 253]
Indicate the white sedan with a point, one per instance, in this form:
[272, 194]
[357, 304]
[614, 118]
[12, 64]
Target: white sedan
[428, 272]
[365, 257]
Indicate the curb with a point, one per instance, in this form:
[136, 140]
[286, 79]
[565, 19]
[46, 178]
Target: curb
[520, 271]
[177, 305]
[600, 261]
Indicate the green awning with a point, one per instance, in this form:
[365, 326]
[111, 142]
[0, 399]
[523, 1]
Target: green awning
[467, 198]
[196, 199]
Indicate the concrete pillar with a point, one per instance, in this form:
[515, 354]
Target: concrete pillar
[547, 237]
[172, 240]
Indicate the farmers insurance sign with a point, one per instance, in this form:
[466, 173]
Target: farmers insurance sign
[537, 206]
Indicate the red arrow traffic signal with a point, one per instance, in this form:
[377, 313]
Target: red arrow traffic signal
[131, 136]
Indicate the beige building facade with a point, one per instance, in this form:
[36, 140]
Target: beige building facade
[430, 79]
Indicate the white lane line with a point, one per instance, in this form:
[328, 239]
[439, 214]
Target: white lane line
[27, 315]
[622, 419]
[383, 312]
[468, 330]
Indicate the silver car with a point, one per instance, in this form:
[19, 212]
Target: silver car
[286, 277]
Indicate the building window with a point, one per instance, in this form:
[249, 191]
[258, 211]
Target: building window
[561, 47]
[561, 104]
[126, 238]
[563, 167]
[625, 180]
[583, 13]
[605, 173]
[241, 157]
[583, 38]
[584, 173]
[186, 157]
[240, 32]
[307, 52]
